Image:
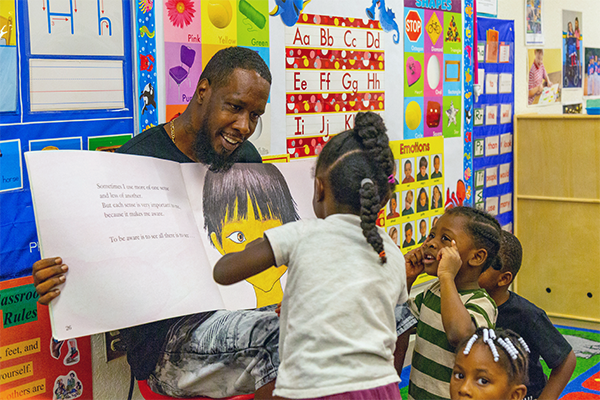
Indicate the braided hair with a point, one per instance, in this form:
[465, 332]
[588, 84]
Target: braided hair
[358, 164]
[511, 253]
[485, 232]
[507, 348]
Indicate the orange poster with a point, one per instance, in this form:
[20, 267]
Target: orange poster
[32, 364]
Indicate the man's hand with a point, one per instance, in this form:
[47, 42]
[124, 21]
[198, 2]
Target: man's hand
[47, 275]
[450, 262]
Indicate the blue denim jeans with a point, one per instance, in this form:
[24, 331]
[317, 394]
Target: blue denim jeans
[228, 354]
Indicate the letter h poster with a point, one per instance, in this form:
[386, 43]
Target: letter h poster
[32, 364]
[493, 120]
[433, 36]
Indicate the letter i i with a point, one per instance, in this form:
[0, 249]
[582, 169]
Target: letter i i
[73, 355]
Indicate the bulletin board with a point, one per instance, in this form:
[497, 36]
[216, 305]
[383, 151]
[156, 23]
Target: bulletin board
[72, 87]
[493, 120]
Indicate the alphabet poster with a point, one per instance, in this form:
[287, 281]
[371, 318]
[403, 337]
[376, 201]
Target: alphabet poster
[433, 40]
[335, 67]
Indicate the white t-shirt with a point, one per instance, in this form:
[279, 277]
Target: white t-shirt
[337, 328]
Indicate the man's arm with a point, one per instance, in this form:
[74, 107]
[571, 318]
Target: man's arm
[455, 317]
[235, 267]
[559, 377]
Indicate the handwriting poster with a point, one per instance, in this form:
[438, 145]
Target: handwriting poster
[32, 364]
[433, 40]
[334, 68]
[493, 121]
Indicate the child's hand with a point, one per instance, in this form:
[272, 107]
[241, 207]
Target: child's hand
[414, 263]
[278, 309]
[450, 261]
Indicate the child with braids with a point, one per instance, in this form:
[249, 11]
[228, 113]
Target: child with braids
[531, 322]
[345, 275]
[463, 243]
[490, 365]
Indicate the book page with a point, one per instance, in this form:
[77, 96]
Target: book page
[124, 226]
[234, 208]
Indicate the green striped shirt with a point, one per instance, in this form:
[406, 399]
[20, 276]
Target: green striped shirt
[433, 357]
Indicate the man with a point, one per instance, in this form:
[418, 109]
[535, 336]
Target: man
[230, 97]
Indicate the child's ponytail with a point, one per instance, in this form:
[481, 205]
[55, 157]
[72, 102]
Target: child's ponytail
[359, 166]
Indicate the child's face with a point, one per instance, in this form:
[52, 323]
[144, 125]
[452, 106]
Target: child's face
[423, 170]
[408, 200]
[447, 229]
[423, 199]
[394, 235]
[436, 193]
[408, 235]
[436, 164]
[423, 228]
[477, 376]
[393, 205]
[539, 57]
[407, 170]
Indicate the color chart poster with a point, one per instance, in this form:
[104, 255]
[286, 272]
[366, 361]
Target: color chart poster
[433, 36]
[194, 31]
[418, 201]
[32, 364]
[334, 68]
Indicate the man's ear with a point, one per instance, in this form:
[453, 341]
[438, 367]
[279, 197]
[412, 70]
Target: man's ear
[202, 90]
[478, 257]
[518, 392]
[215, 242]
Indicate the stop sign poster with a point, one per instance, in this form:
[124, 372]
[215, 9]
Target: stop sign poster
[433, 36]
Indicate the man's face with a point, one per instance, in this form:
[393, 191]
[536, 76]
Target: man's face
[231, 115]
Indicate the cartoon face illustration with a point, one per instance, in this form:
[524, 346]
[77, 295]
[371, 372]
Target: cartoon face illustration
[238, 231]
[239, 206]
[433, 114]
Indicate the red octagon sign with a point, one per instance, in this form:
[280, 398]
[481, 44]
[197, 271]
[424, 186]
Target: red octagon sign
[413, 24]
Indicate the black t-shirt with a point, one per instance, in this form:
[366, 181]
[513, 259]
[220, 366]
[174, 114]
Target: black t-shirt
[145, 342]
[543, 339]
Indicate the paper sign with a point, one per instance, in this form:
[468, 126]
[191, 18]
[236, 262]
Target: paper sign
[491, 205]
[479, 178]
[505, 113]
[505, 83]
[491, 115]
[504, 173]
[505, 203]
[491, 146]
[506, 143]
[504, 53]
[491, 84]
[491, 176]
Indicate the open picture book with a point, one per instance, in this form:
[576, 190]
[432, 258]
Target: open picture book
[141, 235]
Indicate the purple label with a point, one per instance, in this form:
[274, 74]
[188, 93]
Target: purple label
[441, 5]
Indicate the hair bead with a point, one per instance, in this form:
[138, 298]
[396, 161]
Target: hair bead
[365, 181]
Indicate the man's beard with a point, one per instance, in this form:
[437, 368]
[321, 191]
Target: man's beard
[206, 154]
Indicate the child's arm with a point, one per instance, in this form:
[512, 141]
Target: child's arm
[234, 267]
[455, 317]
[559, 377]
[414, 266]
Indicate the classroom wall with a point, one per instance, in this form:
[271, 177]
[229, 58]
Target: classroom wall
[552, 23]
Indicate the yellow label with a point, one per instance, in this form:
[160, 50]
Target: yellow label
[16, 372]
[19, 349]
[25, 391]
